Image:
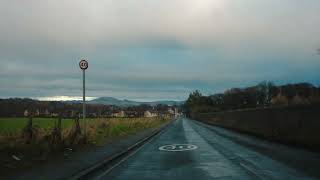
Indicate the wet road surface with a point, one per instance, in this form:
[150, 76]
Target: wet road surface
[192, 150]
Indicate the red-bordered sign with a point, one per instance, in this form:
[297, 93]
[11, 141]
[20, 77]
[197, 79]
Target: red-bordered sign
[83, 64]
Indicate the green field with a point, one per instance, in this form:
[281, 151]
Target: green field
[99, 128]
[12, 126]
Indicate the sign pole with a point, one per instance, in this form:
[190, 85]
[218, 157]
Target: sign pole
[84, 65]
[84, 102]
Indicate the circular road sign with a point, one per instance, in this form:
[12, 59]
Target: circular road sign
[178, 147]
[83, 64]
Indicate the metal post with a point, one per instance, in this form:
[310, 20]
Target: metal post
[84, 94]
[84, 65]
[84, 103]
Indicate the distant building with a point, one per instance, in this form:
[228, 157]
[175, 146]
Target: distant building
[149, 114]
[37, 113]
[26, 113]
[170, 111]
[46, 112]
[54, 114]
[119, 114]
[131, 114]
[70, 113]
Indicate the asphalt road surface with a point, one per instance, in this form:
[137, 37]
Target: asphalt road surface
[192, 150]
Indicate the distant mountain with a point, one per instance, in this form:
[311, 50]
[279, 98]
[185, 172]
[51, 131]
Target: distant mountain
[126, 103]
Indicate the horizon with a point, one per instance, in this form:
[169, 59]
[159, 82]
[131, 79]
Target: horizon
[79, 98]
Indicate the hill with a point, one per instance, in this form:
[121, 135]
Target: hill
[126, 103]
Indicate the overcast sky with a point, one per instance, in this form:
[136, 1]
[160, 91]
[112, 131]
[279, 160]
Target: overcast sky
[155, 49]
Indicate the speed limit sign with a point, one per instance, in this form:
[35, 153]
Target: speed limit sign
[83, 64]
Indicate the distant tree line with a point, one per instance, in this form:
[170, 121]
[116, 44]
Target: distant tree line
[264, 94]
[17, 107]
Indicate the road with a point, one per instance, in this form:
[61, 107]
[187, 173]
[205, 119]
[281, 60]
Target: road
[208, 152]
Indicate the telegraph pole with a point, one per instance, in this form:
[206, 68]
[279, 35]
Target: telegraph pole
[84, 65]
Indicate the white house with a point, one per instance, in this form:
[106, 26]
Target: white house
[54, 114]
[149, 114]
[37, 112]
[26, 113]
[170, 111]
[119, 114]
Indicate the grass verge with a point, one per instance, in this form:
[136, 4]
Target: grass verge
[16, 154]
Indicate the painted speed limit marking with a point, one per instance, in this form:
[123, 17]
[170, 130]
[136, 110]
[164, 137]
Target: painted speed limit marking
[178, 147]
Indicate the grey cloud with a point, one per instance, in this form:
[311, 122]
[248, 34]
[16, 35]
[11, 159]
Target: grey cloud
[154, 49]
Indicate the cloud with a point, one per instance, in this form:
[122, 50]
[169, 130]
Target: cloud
[155, 49]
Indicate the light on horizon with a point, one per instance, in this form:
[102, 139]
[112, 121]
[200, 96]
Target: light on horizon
[63, 98]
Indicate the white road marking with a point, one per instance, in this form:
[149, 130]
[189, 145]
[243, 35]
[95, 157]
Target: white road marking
[178, 147]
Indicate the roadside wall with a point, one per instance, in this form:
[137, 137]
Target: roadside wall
[294, 125]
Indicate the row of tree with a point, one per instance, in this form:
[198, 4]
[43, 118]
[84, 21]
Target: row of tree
[262, 95]
[17, 107]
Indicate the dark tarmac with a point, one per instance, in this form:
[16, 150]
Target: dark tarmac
[192, 150]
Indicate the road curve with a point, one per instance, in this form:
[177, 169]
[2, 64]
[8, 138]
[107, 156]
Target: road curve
[192, 150]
